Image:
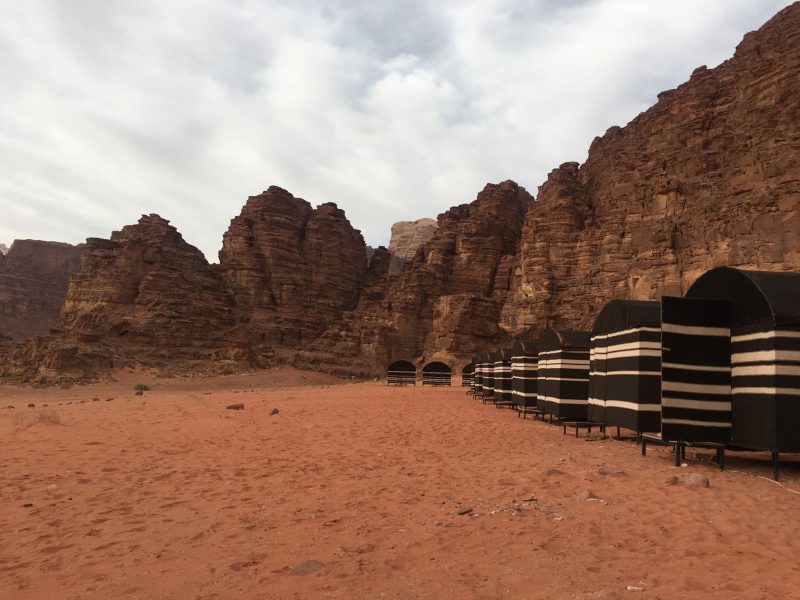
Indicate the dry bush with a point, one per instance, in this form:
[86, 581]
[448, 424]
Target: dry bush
[141, 387]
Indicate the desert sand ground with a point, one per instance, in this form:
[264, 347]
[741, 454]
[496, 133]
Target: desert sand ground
[354, 491]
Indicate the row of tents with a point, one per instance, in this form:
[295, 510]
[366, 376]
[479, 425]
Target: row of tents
[718, 367]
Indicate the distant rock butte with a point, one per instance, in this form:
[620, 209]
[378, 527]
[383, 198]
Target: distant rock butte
[407, 238]
[710, 175]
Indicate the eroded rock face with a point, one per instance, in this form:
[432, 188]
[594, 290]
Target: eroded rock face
[407, 238]
[708, 176]
[291, 268]
[145, 295]
[3, 249]
[446, 302]
[34, 277]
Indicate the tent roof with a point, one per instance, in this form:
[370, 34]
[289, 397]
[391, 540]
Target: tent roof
[525, 348]
[755, 296]
[619, 315]
[554, 339]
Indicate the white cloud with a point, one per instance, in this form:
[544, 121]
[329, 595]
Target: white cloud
[394, 110]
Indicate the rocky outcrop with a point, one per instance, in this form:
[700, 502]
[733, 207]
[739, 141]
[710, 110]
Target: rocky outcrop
[292, 269]
[143, 296]
[34, 276]
[407, 238]
[447, 301]
[3, 249]
[708, 176]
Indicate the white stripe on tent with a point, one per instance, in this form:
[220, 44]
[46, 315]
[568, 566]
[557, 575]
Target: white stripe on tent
[610, 355]
[696, 404]
[686, 367]
[765, 356]
[766, 390]
[696, 330]
[698, 423]
[766, 369]
[605, 336]
[765, 335]
[526, 394]
[563, 400]
[633, 346]
[633, 406]
[695, 388]
[615, 373]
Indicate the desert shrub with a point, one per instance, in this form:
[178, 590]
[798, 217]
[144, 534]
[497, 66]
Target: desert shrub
[141, 387]
[66, 385]
[48, 416]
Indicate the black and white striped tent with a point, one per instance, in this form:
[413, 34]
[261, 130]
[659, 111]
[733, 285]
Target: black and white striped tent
[487, 379]
[502, 377]
[524, 373]
[477, 377]
[625, 366]
[436, 373]
[467, 375]
[563, 385]
[732, 360]
[401, 372]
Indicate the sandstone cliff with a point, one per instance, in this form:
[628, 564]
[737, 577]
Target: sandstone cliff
[3, 249]
[708, 176]
[446, 302]
[34, 277]
[292, 269]
[407, 238]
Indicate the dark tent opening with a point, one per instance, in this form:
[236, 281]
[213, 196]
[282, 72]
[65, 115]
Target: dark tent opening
[563, 386]
[625, 366]
[401, 372]
[436, 373]
[524, 373]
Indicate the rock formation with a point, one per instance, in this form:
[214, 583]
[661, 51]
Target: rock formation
[445, 303]
[34, 277]
[146, 296]
[3, 249]
[708, 176]
[407, 238]
[292, 269]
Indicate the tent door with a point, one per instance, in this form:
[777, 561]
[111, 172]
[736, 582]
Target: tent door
[696, 370]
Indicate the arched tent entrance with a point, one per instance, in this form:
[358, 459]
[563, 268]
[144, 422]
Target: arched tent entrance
[563, 385]
[741, 330]
[524, 373]
[467, 375]
[401, 372]
[625, 366]
[436, 373]
[487, 381]
[502, 378]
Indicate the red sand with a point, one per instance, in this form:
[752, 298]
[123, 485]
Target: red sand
[169, 495]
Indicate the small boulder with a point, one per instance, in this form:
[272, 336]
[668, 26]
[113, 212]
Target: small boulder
[139, 392]
[689, 479]
[274, 411]
[31, 405]
[235, 406]
[588, 495]
[307, 567]
[464, 510]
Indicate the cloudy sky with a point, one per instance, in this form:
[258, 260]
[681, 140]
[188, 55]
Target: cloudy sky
[394, 110]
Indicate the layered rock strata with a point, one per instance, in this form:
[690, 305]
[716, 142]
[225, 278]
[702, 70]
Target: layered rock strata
[34, 277]
[407, 238]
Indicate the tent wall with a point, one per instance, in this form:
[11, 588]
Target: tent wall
[696, 370]
[766, 387]
[477, 379]
[502, 379]
[524, 380]
[488, 377]
[625, 379]
[566, 374]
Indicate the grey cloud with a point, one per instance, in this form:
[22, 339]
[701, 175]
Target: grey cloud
[394, 110]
